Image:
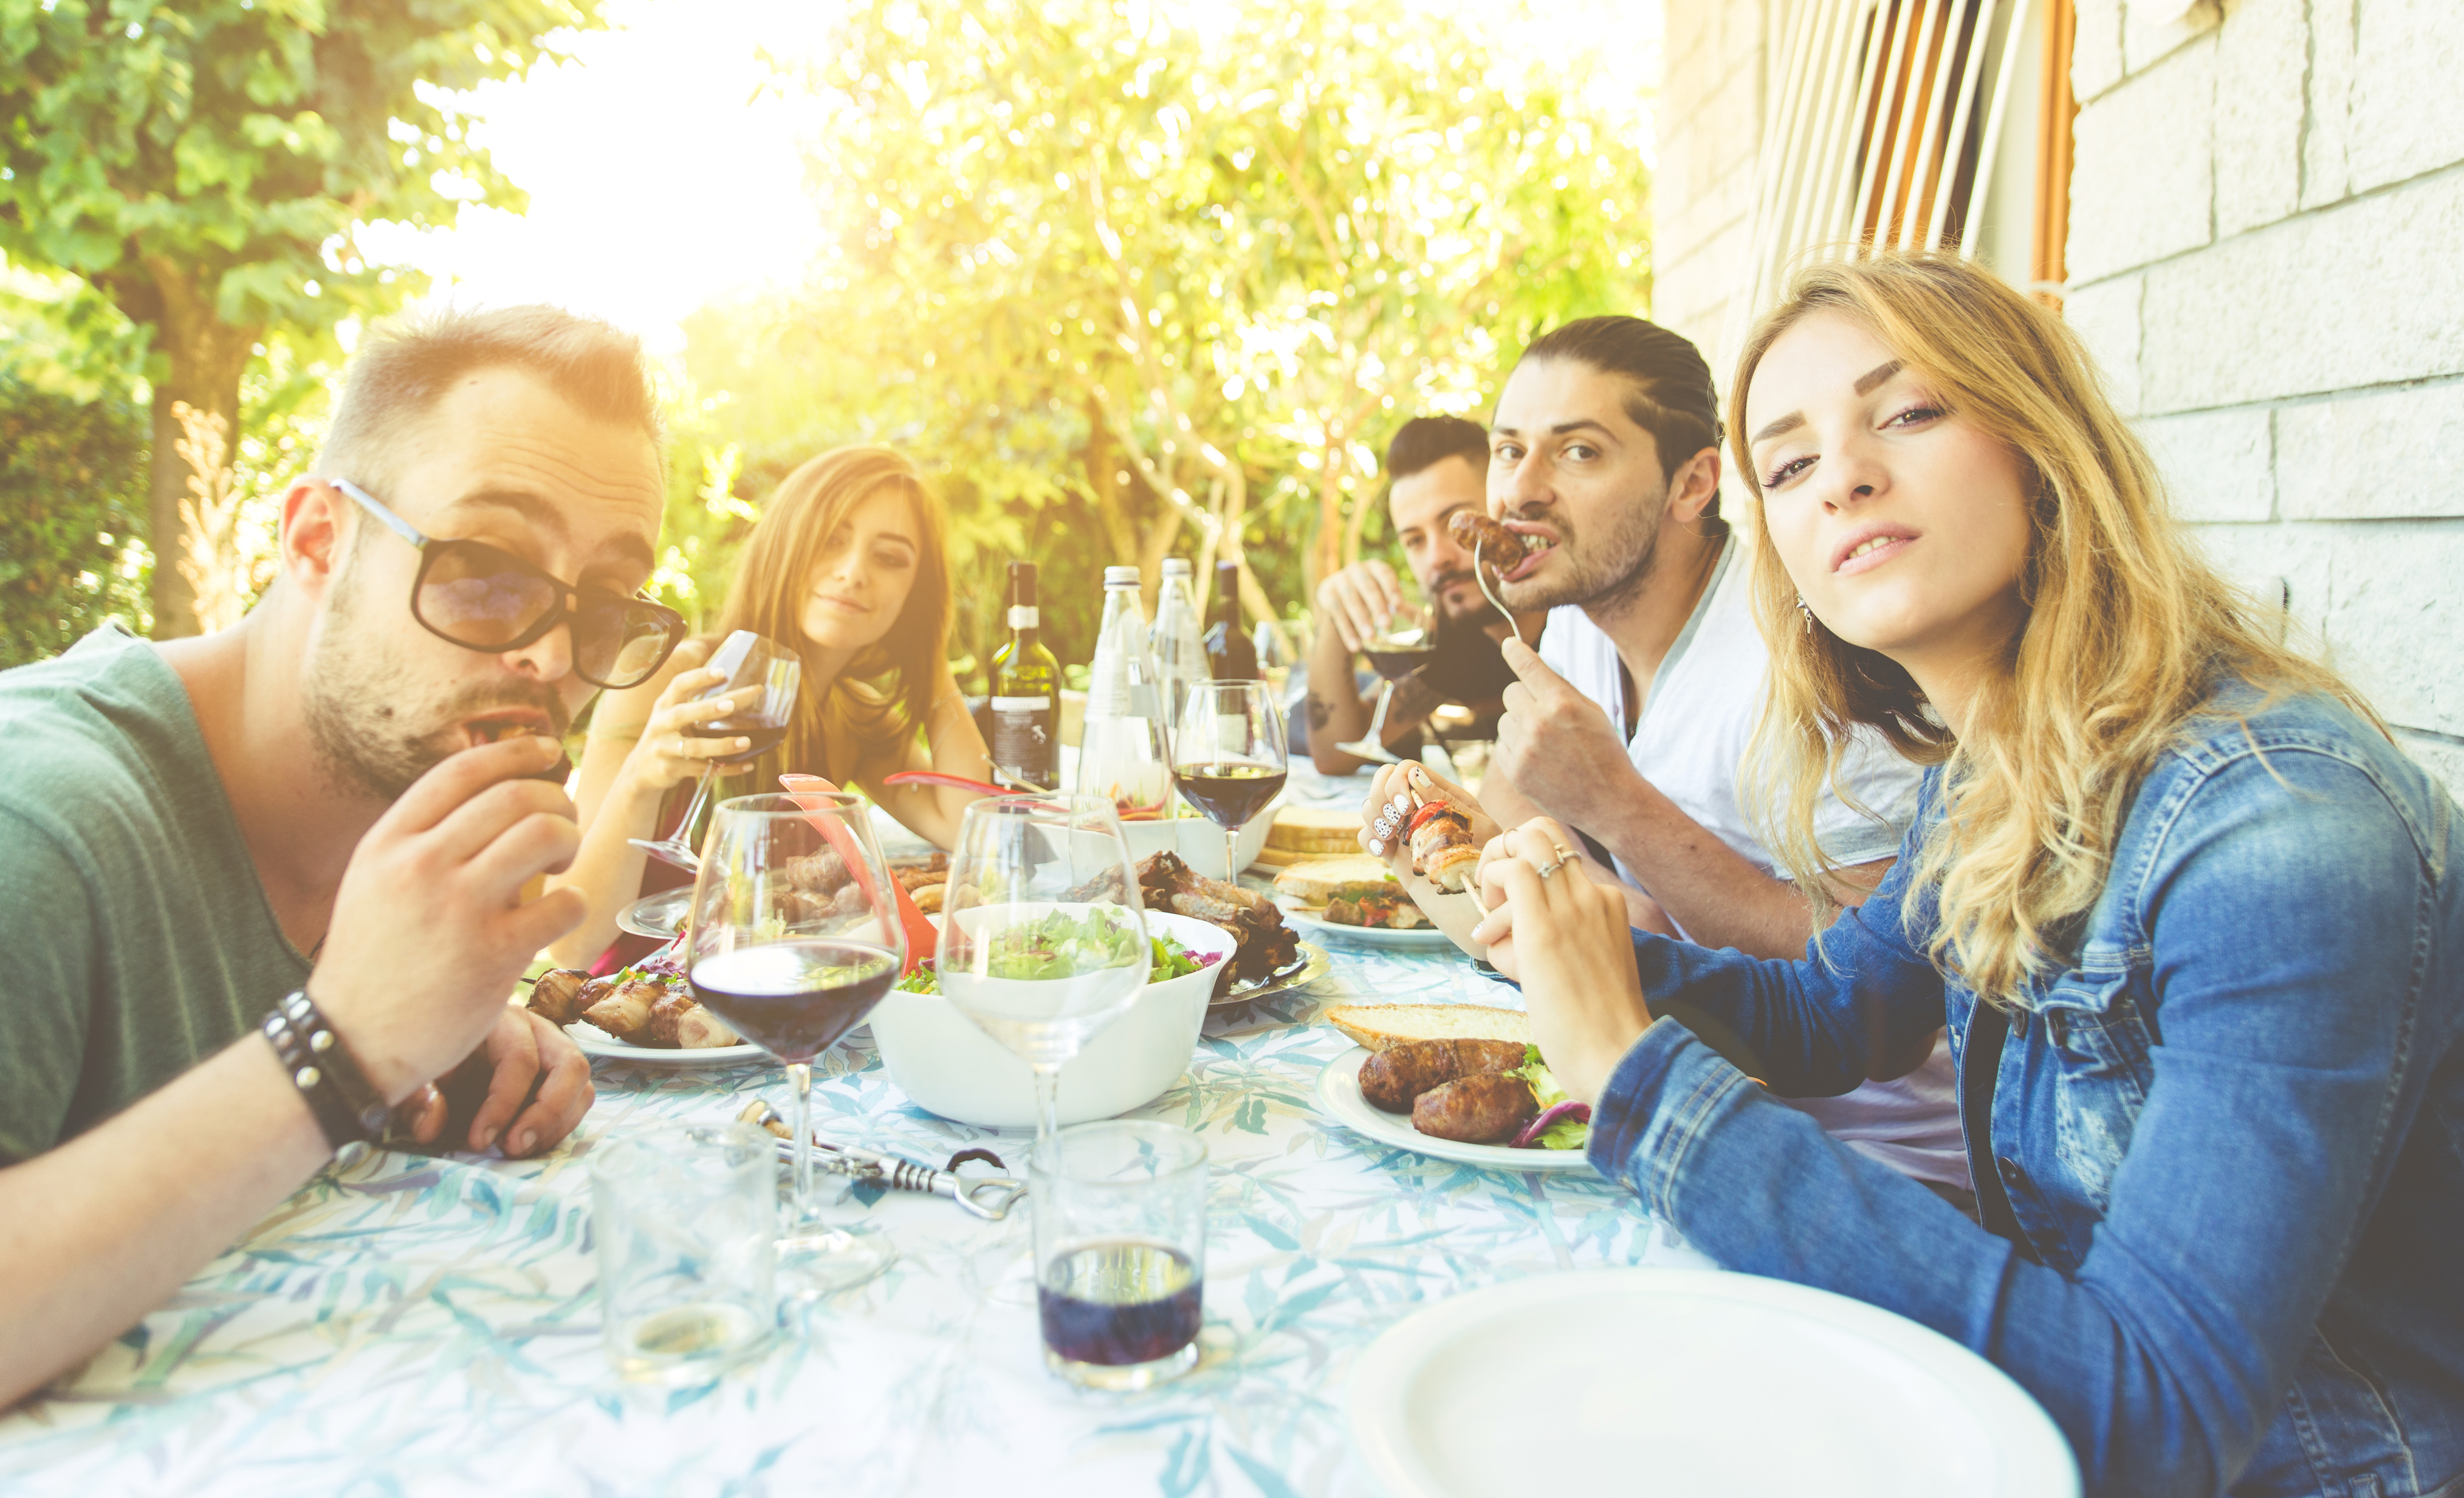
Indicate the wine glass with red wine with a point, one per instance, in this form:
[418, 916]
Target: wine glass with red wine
[1229, 757]
[795, 936]
[1408, 642]
[762, 675]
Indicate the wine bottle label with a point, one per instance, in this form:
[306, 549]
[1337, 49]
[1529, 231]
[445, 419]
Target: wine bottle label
[1024, 616]
[1023, 744]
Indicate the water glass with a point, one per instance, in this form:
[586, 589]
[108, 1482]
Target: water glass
[686, 1222]
[1120, 1251]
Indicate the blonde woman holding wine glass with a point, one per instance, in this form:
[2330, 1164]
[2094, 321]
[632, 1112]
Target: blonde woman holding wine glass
[848, 568]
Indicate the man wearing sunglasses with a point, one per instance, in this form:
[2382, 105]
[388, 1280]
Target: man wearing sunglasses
[261, 888]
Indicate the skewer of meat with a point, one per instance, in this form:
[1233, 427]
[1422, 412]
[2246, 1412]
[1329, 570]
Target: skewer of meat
[1438, 834]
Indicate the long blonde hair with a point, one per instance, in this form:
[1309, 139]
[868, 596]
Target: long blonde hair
[886, 693]
[2127, 631]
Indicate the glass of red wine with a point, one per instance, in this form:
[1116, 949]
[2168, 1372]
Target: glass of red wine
[1120, 1251]
[1408, 642]
[762, 675]
[795, 936]
[1228, 758]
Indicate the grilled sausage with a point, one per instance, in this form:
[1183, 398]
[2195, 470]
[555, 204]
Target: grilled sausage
[1488, 1109]
[1394, 1077]
[1499, 549]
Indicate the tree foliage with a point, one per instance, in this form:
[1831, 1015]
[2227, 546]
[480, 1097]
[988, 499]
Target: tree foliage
[202, 164]
[1140, 280]
[72, 494]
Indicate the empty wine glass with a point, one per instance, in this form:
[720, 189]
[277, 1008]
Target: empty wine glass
[1044, 942]
[1408, 642]
[1229, 757]
[751, 662]
[795, 936]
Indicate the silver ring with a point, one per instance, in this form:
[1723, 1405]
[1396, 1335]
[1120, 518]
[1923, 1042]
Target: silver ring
[1545, 869]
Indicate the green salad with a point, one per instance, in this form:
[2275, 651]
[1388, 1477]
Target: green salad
[1062, 945]
[1563, 1124]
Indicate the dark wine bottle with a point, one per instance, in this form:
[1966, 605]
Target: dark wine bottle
[1026, 687]
[1229, 654]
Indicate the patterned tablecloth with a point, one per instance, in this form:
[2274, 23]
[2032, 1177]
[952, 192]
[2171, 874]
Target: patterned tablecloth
[426, 1326]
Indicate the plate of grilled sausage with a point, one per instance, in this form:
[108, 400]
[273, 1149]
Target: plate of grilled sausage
[1468, 1092]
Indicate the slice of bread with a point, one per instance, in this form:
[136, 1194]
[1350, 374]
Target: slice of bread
[1315, 829]
[1313, 881]
[1381, 1026]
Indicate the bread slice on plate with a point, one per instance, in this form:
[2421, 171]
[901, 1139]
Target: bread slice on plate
[1315, 830]
[1381, 1026]
[1313, 881]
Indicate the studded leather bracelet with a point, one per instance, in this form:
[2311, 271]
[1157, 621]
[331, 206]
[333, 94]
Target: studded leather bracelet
[351, 1112]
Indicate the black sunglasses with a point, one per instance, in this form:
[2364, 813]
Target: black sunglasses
[485, 599]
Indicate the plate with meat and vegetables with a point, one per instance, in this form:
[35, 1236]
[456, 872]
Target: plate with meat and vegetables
[1459, 1082]
[1356, 898]
[646, 1014]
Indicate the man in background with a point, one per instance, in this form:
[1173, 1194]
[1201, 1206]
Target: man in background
[1435, 466]
[260, 886]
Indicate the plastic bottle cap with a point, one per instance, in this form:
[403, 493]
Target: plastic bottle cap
[1120, 577]
[1175, 566]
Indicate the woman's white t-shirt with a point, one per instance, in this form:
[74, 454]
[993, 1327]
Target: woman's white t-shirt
[1690, 741]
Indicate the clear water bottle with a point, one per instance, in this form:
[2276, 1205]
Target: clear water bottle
[1180, 654]
[1121, 752]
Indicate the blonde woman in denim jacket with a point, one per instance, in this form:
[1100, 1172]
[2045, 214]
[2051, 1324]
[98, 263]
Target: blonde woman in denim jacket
[2195, 923]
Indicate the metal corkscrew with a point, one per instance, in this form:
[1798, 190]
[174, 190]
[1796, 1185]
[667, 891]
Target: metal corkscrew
[987, 1197]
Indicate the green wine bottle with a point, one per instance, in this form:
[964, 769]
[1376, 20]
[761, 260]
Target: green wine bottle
[1026, 693]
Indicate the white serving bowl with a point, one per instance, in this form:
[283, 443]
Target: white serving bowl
[945, 1065]
[1198, 842]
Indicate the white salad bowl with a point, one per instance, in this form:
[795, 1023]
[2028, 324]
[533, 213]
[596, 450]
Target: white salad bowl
[947, 1066]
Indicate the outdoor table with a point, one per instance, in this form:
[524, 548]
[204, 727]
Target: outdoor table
[430, 1326]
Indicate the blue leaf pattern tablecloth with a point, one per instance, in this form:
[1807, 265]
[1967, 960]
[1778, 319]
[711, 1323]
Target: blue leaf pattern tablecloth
[422, 1326]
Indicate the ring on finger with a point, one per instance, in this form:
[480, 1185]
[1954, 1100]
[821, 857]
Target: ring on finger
[1548, 868]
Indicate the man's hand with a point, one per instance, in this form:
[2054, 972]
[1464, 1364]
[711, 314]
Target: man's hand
[1563, 938]
[1555, 745]
[1359, 601]
[526, 1064]
[431, 931]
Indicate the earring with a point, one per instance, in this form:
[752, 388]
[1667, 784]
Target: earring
[1806, 613]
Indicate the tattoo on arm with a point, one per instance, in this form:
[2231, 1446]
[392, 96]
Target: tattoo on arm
[1318, 711]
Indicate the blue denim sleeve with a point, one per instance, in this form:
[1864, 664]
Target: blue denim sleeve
[1822, 1023]
[2282, 903]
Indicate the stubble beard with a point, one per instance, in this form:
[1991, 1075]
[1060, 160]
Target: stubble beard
[359, 696]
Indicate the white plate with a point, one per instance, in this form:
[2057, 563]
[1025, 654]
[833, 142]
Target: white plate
[596, 1041]
[1691, 1381]
[659, 916]
[1338, 1095]
[1420, 937]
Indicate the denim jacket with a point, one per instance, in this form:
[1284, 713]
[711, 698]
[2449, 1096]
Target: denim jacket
[2232, 1130]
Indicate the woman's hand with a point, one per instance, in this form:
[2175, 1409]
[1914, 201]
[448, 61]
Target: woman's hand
[1563, 938]
[666, 755]
[1396, 847]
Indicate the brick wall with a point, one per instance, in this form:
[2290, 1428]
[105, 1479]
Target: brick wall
[2267, 230]
[2266, 214]
[1710, 111]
